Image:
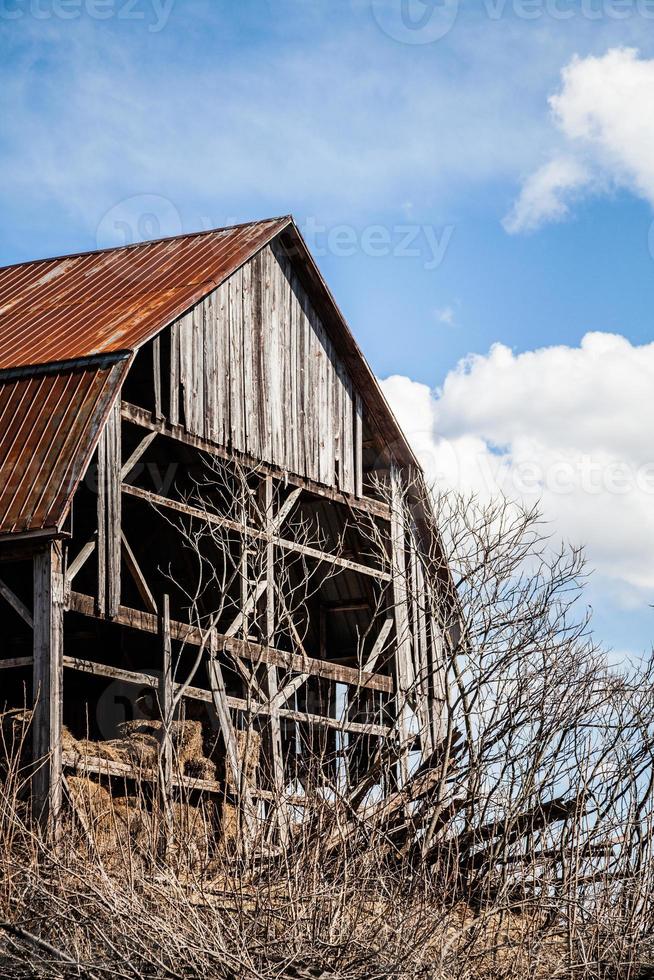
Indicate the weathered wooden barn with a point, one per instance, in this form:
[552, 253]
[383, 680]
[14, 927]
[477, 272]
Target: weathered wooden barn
[201, 512]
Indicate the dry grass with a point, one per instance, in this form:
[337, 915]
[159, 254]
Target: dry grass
[103, 902]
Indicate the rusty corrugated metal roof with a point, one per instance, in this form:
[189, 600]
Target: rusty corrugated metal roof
[49, 426]
[115, 300]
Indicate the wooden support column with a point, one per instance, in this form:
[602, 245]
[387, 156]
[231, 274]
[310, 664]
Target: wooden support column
[109, 515]
[358, 446]
[274, 727]
[156, 373]
[166, 689]
[233, 762]
[420, 653]
[403, 660]
[48, 683]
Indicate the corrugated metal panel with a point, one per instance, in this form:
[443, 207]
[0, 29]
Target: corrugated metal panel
[49, 425]
[101, 302]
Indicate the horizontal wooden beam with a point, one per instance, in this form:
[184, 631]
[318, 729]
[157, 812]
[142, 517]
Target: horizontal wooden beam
[140, 416]
[156, 500]
[238, 704]
[255, 652]
[110, 767]
[15, 662]
[96, 766]
[113, 673]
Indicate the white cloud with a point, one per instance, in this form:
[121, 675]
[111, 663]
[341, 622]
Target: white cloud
[602, 115]
[445, 315]
[571, 427]
[543, 196]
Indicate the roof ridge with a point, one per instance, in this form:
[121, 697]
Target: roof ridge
[288, 218]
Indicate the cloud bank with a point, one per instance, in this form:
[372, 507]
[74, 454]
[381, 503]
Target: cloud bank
[569, 426]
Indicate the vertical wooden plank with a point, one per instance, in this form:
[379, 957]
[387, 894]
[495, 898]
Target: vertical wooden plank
[260, 287]
[338, 425]
[185, 334]
[227, 361]
[322, 406]
[218, 370]
[301, 416]
[156, 374]
[209, 337]
[312, 375]
[294, 413]
[195, 421]
[277, 419]
[174, 374]
[109, 513]
[200, 369]
[281, 306]
[250, 422]
[358, 445]
[347, 434]
[237, 399]
[330, 469]
[48, 655]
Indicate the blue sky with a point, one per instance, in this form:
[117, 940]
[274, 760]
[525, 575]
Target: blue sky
[451, 206]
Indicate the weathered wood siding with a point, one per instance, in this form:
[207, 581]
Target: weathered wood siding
[252, 368]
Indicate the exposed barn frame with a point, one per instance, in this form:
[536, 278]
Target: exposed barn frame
[146, 388]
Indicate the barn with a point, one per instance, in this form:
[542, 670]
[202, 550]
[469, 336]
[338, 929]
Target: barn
[209, 512]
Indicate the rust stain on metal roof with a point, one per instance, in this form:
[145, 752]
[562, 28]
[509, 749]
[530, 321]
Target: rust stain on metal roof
[114, 300]
[49, 425]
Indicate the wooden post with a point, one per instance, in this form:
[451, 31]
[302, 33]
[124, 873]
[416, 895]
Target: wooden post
[233, 763]
[166, 689]
[156, 371]
[109, 515]
[275, 731]
[48, 683]
[403, 659]
[420, 653]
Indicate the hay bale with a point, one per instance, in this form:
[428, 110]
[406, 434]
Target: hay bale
[114, 824]
[85, 748]
[229, 826]
[145, 736]
[92, 798]
[200, 769]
